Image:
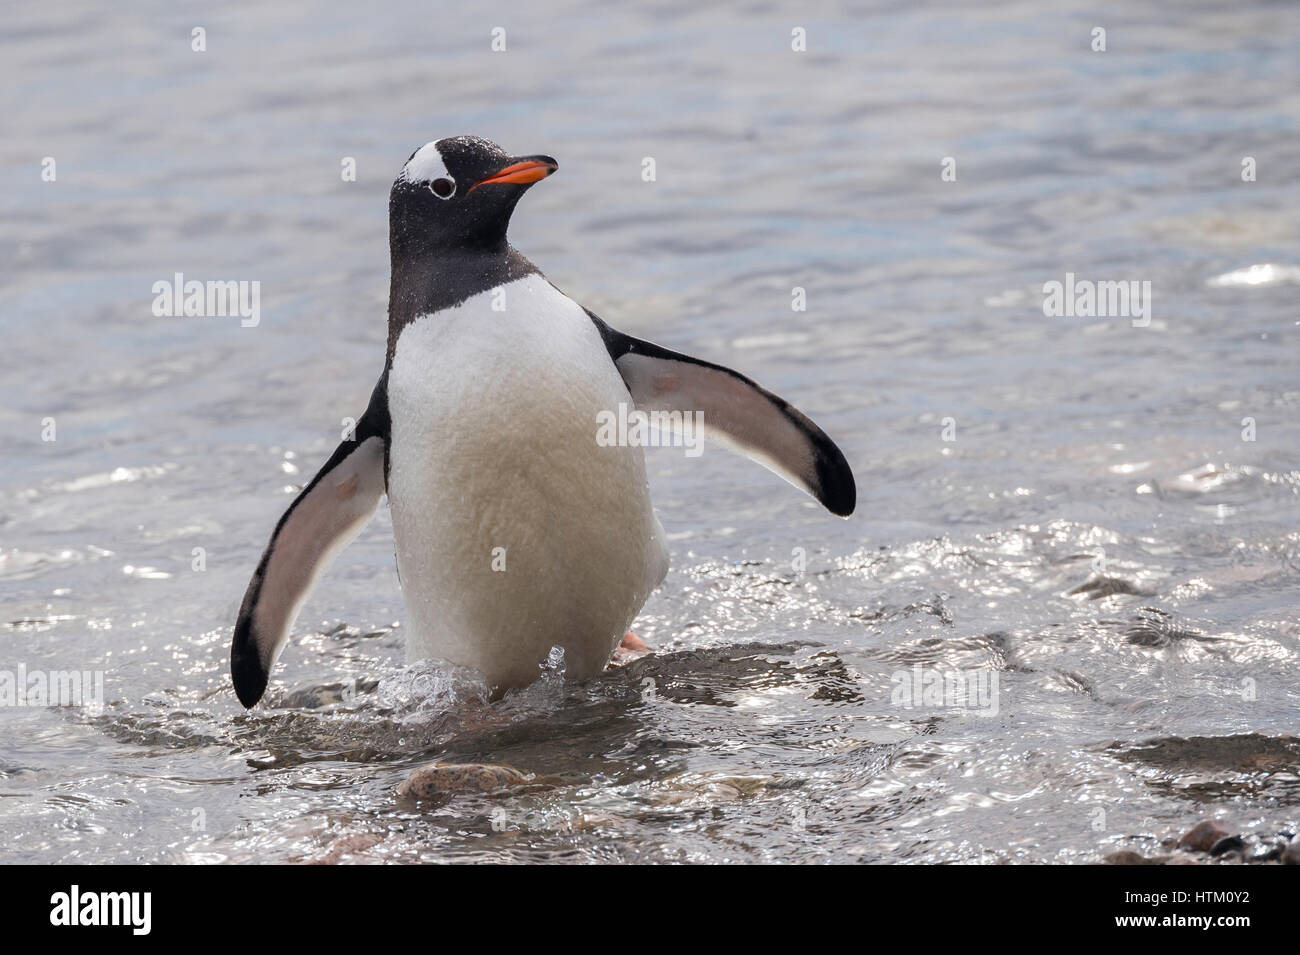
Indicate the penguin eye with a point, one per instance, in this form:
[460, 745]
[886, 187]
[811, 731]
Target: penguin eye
[443, 188]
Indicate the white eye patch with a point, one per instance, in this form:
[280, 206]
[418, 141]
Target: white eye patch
[426, 165]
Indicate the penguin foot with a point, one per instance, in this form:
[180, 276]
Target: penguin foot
[631, 648]
[632, 642]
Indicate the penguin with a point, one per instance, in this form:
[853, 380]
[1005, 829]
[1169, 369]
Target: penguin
[516, 530]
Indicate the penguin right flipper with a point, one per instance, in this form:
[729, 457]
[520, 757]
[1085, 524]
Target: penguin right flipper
[736, 411]
[325, 516]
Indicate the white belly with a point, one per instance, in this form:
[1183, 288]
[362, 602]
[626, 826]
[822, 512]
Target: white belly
[493, 464]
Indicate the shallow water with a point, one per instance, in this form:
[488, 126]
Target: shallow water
[1098, 537]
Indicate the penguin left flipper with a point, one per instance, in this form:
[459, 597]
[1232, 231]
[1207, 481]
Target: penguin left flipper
[325, 516]
[737, 412]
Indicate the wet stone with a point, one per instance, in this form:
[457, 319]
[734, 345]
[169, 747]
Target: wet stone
[1100, 586]
[1128, 857]
[441, 780]
[357, 844]
[328, 694]
[1152, 627]
[1269, 851]
[1203, 836]
[1228, 844]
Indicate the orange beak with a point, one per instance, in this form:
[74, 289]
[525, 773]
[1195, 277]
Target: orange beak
[520, 173]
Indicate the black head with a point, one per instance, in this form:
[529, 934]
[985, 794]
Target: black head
[459, 193]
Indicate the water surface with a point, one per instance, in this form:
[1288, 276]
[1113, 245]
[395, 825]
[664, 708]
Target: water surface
[1097, 536]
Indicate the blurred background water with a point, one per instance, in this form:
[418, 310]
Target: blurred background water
[1097, 534]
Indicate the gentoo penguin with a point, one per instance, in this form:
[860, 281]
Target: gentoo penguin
[517, 530]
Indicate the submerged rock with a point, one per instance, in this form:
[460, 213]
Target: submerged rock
[1153, 627]
[707, 790]
[356, 844]
[327, 694]
[1203, 836]
[1128, 857]
[1100, 585]
[442, 780]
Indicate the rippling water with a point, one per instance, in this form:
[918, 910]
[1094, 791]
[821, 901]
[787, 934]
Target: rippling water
[1097, 542]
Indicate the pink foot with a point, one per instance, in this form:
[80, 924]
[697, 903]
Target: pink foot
[631, 648]
[632, 642]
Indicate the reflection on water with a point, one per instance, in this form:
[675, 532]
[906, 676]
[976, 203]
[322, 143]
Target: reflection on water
[1101, 521]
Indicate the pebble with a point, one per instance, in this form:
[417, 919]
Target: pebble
[1227, 844]
[439, 780]
[1128, 857]
[1210, 838]
[355, 844]
[1203, 836]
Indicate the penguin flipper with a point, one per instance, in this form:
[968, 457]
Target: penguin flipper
[325, 516]
[737, 412]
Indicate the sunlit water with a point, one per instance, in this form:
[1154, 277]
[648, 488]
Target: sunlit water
[1097, 537]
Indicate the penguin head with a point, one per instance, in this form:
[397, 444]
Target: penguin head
[459, 193]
